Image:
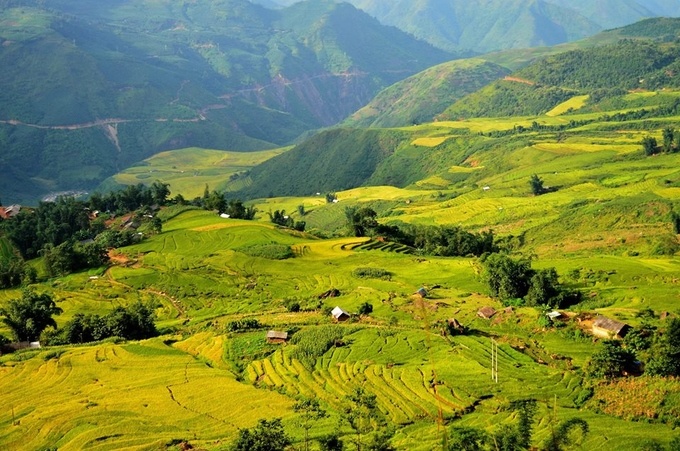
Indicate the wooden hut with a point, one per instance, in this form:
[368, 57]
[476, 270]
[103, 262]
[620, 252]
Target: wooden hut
[604, 327]
[276, 337]
[422, 292]
[339, 314]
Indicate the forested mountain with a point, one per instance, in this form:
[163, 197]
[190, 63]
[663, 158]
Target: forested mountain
[483, 25]
[600, 76]
[90, 88]
[599, 72]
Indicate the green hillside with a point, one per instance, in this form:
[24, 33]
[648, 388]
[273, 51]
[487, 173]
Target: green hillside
[423, 96]
[129, 80]
[602, 72]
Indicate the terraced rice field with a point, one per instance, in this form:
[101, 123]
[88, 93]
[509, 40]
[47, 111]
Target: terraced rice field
[123, 396]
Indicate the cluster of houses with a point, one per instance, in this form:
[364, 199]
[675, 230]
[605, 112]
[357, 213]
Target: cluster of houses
[602, 326]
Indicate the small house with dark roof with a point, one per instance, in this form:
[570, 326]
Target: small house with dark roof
[604, 327]
[339, 314]
[486, 312]
[276, 337]
[422, 292]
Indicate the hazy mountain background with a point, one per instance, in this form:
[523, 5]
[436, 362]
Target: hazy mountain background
[487, 25]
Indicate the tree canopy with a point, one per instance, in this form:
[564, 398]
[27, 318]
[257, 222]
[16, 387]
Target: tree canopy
[30, 314]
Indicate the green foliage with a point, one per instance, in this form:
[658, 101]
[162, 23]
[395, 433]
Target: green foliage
[69, 257]
[242, 325]
[30, 314]
[650, 145]
[665, 360]
[272, 251]
[14, 272]
[331, 442]
[536, 184]
[135, 322]
[361, 221]
[365, 308]
[561, 436]
[505, 277]
[610, 361]
[361, 413]
[268, 435]
[466, 439]
[371, 273]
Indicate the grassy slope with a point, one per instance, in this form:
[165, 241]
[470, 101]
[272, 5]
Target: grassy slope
[189, 170]
[195, 273]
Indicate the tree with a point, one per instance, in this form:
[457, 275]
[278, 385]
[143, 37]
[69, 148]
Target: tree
[562, 436]
[610, 361]
[536, 184]
[506, 278]
[160, 192]
[361, 221]
[543, 288]
[310, 411]
[526, 411]
[29, 315]
[301, 210]
[666, 353]
[465, 439]
[360, 413]
[668, 138]
[331, 442]
[266, 436]
[366, 308]
[649, 145]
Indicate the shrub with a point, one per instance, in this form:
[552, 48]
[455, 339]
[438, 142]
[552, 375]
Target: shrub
[372, 273]
[271, 251]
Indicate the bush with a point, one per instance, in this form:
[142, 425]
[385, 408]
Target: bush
[241, 325]
[271, 251]
[372, 273]
[365, 308]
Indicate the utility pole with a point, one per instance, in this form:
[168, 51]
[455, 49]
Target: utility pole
[494, 361]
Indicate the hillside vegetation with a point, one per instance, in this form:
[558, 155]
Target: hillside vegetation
[125, 81]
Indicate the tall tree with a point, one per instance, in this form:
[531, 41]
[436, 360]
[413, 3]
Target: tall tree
[29, 315]
[268, 435]
[536, 185]
[310, 411]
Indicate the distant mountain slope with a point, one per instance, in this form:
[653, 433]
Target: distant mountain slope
[602, 71]
[489, 25]
[423, 96]
[98, 86]
[329, 161]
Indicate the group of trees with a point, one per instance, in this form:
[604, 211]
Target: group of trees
[659, 351]
[279, 217]
[216, 201]
[670, 144]
[130, 198]
[445, 241]
[517, 437]
[29, 316]
[134, 322]
[370, 431]
[514, 282]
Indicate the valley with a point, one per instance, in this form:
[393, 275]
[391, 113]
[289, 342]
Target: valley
[357, 242]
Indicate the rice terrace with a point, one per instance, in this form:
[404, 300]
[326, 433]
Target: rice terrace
[500, 274]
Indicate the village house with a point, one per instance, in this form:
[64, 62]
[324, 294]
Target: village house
[339, 315]
[276, 337]
[604, 327]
